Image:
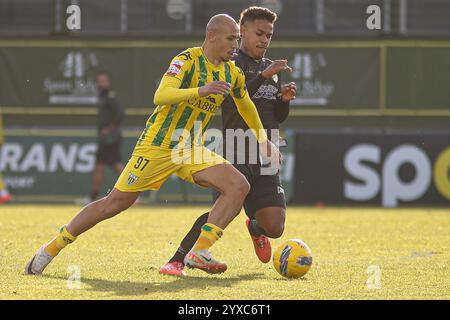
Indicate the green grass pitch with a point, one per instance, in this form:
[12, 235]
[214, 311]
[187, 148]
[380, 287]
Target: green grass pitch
[120, 258]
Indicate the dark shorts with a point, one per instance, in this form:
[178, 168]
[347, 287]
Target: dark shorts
[108, 154]
[265, 191]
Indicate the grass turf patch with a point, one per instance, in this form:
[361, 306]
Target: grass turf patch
[120, 257]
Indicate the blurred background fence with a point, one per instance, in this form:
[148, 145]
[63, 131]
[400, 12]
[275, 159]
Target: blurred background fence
[188, 17]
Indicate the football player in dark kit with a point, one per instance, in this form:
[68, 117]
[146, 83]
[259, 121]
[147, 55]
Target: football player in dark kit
[265, 204]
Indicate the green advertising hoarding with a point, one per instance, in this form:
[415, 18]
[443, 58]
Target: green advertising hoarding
[58, 166]
[61, 77]
[374, 77]
[333, 78]
[418, 78]
[58, 76]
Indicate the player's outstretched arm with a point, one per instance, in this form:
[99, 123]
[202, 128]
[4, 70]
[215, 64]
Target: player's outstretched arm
[249, 113]
[169, 92]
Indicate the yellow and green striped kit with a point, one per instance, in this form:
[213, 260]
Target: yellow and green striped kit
[193, 70]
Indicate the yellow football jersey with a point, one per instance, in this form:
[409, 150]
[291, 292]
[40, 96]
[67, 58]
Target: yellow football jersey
[165, 126]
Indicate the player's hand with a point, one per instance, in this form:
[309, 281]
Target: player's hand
[275, 67]
[288, 91]
[215, 87]
[271, 154]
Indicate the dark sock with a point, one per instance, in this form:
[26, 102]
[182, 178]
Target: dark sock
[190, 239]
[94, 196]
[255, 229]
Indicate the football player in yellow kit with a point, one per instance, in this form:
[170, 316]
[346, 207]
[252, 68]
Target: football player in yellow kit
[190, 92]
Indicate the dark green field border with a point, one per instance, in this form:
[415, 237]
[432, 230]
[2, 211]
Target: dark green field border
[381, 44]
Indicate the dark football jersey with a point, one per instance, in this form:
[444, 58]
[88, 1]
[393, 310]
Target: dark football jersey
[265, 93]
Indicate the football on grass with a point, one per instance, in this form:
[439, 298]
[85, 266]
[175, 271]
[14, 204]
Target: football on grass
[292, 259]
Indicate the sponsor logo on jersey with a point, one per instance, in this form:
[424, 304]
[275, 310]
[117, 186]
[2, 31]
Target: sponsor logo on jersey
[175, 67]
[186, 55]
[268, 92]
[205, 104]
[210, 99]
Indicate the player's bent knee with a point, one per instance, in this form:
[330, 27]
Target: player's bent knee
[272, 220]
[237, 187]
[241, 187]
[275, 231]
[245, 187]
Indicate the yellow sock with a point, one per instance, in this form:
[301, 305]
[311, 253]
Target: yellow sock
[57, 244]
[209, 235]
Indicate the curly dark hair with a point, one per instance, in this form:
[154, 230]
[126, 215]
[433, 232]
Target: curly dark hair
[256, 13]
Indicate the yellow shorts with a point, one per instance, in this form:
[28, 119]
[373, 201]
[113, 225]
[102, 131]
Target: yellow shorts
[150, 169]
